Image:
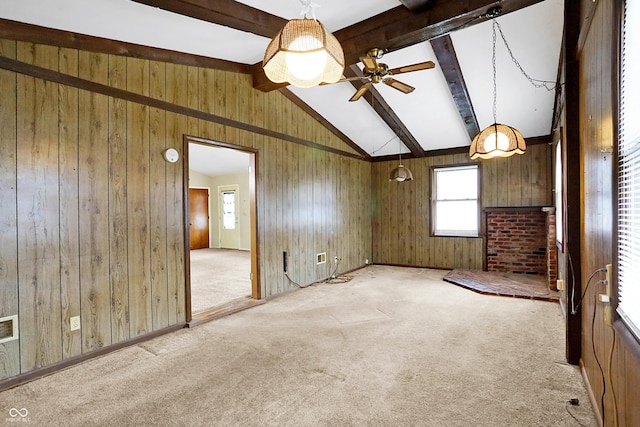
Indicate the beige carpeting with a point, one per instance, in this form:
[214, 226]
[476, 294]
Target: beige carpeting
[218, 276]
[392, 347]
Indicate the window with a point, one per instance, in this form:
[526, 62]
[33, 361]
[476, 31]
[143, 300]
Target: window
[455, 201]
[229, 210]
[629, 171]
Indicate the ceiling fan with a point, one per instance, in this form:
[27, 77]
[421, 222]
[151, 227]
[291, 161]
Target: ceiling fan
[376, 72]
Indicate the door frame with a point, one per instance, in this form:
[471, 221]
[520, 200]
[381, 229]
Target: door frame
[256, 288]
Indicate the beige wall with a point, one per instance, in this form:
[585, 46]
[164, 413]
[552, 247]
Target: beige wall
[199, 180]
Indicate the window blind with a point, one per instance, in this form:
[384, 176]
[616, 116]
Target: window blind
[629, 171]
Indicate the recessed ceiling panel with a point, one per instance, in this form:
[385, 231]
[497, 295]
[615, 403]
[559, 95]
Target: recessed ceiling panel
[334, 14]
[534, 35]
[429, 112]
[132, 22]
[357, 119]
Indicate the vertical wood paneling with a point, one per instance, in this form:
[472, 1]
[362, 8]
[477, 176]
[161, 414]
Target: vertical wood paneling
[94, 207]
[101, 231]
[158, 201]
[38, 213]
[138, 215]
[401, 222]
[176, 126]
[9, 351]
[118, 231]
[69, 214]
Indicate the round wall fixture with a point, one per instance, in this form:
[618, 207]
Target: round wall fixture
[171, 155]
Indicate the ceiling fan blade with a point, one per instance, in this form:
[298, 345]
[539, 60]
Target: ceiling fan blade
[415, 67]
[402, 87]
[363, 89]
[370, 64]
[346, 79]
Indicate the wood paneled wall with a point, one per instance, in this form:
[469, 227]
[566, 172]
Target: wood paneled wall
[92, 216]
[598, 75]
[401, 221]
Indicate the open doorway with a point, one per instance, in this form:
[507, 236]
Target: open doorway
[222, 258]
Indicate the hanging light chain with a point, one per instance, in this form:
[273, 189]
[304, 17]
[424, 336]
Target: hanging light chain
[493, 61]
[548, 85]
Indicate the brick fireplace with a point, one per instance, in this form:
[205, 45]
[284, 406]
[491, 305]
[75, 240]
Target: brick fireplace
[522, 240]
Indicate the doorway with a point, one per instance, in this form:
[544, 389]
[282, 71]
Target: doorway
[222, 261]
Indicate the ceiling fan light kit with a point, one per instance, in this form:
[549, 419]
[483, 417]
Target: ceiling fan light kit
[304, 54]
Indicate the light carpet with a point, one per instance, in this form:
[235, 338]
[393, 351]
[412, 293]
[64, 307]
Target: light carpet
[218, 276]
[392, 347]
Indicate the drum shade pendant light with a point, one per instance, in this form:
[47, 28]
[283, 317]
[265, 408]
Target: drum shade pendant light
[497, 140]
[304, 53]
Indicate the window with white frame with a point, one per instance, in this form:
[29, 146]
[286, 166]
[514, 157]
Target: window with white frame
[455, 201]
[629, 171]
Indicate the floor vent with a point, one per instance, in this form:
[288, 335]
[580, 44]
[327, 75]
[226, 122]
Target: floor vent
[8, 328]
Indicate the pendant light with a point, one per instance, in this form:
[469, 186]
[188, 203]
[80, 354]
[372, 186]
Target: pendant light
[304, 53]
[497, 140]
[400, 173]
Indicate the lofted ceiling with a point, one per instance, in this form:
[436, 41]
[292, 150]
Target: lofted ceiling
[450, 104]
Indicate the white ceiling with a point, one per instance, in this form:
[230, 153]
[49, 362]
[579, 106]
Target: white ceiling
[430, 114]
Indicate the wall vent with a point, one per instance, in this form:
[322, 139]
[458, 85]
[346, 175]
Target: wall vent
[8, 328]
[321, 258]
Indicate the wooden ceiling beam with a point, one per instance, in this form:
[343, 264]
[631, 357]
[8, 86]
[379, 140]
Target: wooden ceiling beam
[448, 60]
[386, 113]
[13, 30]
[399, 27]
[415, 5]
[230, 14]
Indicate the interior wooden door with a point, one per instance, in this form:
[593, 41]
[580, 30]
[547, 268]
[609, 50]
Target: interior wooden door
[199, 218]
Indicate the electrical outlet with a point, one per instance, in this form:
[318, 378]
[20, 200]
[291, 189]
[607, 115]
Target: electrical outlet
[321, 258]
[75, 323]
[560, 284]
[336, 259]
[366, 261]
[608, 279]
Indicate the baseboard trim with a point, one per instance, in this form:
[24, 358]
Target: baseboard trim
[68, 363]
[595, 404]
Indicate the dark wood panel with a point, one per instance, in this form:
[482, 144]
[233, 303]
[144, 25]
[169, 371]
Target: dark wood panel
[94, 207]
[118, 227]
[158, 199]
[9, 351]
[138, 215]
[38, 213]
[69, 215]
